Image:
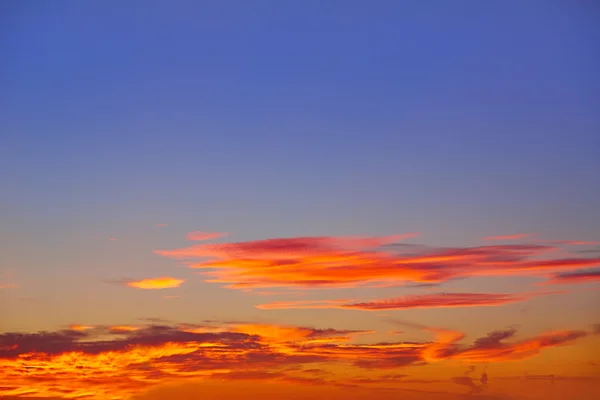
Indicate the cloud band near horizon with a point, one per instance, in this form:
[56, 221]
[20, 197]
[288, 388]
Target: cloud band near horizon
[124, 361]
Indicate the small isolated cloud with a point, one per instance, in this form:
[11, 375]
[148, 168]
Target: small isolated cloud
[200, 236]
[510, 237]
[568, 278]
[161, 225]
[171, 297]
[436, 300]
[112, 238]
[78, 327]
[163, 282]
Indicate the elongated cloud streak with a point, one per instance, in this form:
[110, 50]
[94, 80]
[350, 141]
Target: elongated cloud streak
[163, 282]
[200, 236]
[575, 277]
[324, 262]
[8, 286]
[438, 300]
[510, 237]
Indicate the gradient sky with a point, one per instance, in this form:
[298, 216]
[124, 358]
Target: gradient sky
[132, 130]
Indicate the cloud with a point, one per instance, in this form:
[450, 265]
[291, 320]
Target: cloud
[550, 377]
[122, 328]
[161, 225]
[8, 286]
[199, 235]
[510, 237]
[493, 348]
[575, 242]
[575, 277]
[78, 327]
[114, 362]
[345, 262]
[163, 282]
[436, 300]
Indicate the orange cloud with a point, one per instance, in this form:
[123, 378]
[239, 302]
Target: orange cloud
[492, 349]
[116, 362]
[510, 237]
[199, 235]
[324, 262]
[123, 328]
[77, 327]
[437, 300]
[164, 282]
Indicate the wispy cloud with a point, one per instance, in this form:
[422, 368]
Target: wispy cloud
[436, 300]
[199, 235]
[325, 262]
[510, 237]
[8, 286]
[575, 277]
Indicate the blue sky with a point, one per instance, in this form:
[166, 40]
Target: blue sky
[265, 119]
[267, 115]
[147, 149]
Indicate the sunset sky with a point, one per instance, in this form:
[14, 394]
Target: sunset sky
[311, 199]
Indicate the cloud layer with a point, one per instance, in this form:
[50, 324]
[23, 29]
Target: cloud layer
[327, 262]
[118, 361]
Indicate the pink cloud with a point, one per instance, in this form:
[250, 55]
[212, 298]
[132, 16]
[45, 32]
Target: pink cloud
[200, 236]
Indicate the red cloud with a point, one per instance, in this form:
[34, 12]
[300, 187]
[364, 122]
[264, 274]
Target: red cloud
[437, 300]
[119, 361]
[200, 236]
[359, 261]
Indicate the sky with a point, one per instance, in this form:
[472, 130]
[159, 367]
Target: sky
[300, 199]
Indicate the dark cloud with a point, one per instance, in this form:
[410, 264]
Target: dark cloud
[586, 276]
